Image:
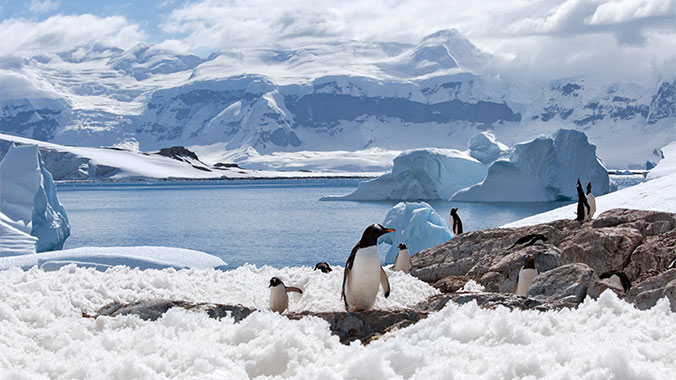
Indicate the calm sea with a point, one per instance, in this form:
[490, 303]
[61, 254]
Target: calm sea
[263, 222]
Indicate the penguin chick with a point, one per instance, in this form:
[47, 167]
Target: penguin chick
[324, 267]
[619, 277]
[456, 223]
[403, 260]
[279, 300]
[526, 275]
[363, 272]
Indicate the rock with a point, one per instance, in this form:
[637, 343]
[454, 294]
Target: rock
[568, 283]
[603, 249]
[652, 256]
[491, 300]
[646, 294]
[601, 285]
[178, 153]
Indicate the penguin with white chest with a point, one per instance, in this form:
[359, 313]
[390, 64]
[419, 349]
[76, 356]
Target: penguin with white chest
[591, 200]
[456, 223]
[363, 273]
[525, 276]
[403, 260]
[279, 300]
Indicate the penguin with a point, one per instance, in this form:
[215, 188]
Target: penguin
[591, 200]
[455, 222]
[363, 272]
[618, 277]
[529, 240]
[525, 277]
[324, 267]
[582, 205]
[403, 260]
[279, 300]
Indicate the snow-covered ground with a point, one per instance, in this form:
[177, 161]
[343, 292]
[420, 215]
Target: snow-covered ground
[45, 336]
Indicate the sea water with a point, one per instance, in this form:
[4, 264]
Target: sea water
[263, 222]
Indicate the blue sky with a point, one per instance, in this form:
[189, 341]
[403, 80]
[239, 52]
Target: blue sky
[626, 35]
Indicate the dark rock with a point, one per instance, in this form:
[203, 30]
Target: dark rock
[646, 294]
[603, 249]
[566, 283]
[178, 153]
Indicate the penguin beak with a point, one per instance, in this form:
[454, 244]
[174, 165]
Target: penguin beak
[386, 230]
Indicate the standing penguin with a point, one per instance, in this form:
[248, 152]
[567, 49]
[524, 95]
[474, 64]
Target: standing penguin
[582, 204]
[363, 272]
[403, 260]
[525, 276]
[455, 221]
[591, 201]
[279, 300]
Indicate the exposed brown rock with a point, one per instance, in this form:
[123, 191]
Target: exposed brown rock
[566, 283]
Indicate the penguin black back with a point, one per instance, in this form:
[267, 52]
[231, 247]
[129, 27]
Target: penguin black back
[529, 240]
[588, 187]
[324, 267]
[582, 204]
[457, 223]
[624, 280]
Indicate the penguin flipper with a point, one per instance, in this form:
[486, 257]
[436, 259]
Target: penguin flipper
[348, 267]
[516, 284]
[293, 289]
[384, 282]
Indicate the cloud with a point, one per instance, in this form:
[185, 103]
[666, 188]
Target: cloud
[61, 33]
[38, 6]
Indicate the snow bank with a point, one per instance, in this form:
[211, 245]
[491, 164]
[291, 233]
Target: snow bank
[102, 258]
[540, 170]
[28, 196]
[667, 165]
[415, 224]
[486, 148]
[45, 336]
[422, 174]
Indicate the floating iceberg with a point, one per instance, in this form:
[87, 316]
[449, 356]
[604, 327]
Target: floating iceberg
[486, 148]
[415, 224]
[422, 174]
[543, 169]
[28, 198]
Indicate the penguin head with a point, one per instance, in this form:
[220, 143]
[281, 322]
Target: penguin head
[402, 246]
[529, 261]
[578, 182]
[454, 211]
[275, 282]
[323, 266]
[372, 233]
[588, 187]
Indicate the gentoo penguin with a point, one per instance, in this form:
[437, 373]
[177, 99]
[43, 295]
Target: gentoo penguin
[324, 267]
[403, 260]
[456, 223]
[591, 201]
[528, 240]
[582, 205]
[363, 272]
[672, 264]
[279, 300]
[526, 276]
[618, 277]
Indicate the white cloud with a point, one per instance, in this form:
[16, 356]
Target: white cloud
[631, 10]
[43, 6]
[61, 33]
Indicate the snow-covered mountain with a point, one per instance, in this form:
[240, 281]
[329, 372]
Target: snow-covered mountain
[349, 96]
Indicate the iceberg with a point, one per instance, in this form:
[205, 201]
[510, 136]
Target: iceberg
[28, 198]
[415, 224]
[422, 174]
[486, 148]
[541, 170]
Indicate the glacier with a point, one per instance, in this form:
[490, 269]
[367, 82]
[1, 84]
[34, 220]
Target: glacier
[415, 224]
[28, 197]
[541, 170]
[421, 174]
[486, 148]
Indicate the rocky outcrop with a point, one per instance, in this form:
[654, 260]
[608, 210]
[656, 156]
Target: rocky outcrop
[639, 243]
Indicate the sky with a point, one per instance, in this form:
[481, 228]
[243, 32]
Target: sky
[619, 37]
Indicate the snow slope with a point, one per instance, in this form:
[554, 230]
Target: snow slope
[45, 335]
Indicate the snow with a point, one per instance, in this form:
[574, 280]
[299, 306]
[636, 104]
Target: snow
[486, 148]
[540, 170]
[102, 258]
[28, 197]
[422, 174]
[415, 224]
[654, 194]
[45, 335]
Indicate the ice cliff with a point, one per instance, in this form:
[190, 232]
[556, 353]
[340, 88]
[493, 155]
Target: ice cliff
[415, 224]
[486, 148]
[422, 174]
[28, 198]
[540, 170]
